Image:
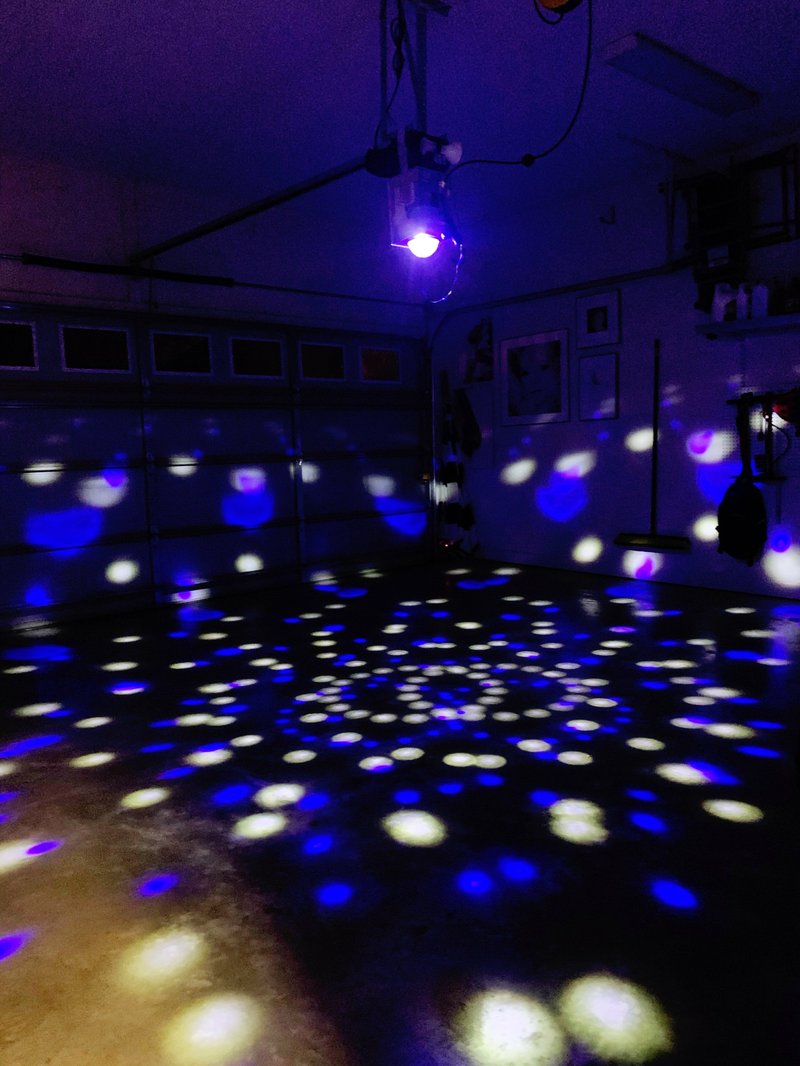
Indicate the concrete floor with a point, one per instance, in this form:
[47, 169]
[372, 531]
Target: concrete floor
[469, 816]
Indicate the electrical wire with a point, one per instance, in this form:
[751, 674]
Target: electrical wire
[456, 269]
[584, 83]
[530, 158]
[398, 31]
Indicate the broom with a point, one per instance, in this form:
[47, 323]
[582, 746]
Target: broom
[652, 540]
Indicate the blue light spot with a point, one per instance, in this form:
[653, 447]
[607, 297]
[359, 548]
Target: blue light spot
[151, 748]
[713, 773]
[673, 894]
[489, 780]
[248, 509]
[43, 847]
[407, 795]
[642, 794]
[334, 894]
[175, 772]
[314, 801]
[47, 652]
[544, 798]
[650, 822]
[11, 944]
[22, 747]
[518, 870]
[450, 788]
[6, 797]
[742, 654]
[157, 884]
[758, 752]
[38, 596]
[758, 724]
[231, 794]
[318, 844]
[474, 882]
[73, 527]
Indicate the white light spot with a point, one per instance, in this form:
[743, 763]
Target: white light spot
[218, 1031]
[504, 1028]
[587, 550]
[161, 958]
[248, 563]
[42, 473]
[415, 828]
[273, 796]
[615, 1019]
[518, 472]
[258, 826]
[144, 797]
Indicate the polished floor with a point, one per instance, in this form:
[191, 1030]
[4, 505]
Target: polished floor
[465, 816]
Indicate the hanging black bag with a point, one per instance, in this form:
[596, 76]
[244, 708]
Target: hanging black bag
[742, 516]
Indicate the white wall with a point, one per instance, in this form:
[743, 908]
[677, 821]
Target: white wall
[578, 484]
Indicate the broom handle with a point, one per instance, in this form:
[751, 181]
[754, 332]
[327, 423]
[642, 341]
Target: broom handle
[654, 452]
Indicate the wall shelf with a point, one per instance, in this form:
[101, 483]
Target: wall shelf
[749, 327]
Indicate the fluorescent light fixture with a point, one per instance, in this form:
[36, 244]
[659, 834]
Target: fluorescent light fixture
[655, 63]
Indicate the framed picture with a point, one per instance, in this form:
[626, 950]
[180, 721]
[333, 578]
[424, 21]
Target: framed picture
[533, 372]
[597, 386]
[598, 319]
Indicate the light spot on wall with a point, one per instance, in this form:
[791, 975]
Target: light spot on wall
[642, 565]
[281, 795]
[309, 472]
[640, 440]
[576, 464]
[705, 528]
[122, 571]
[42, 473]
[518, 472]
[709, 446]
[587, 550]
[182, 465]
[380, 485]
[106, 490]
[248, 563]
[783, 568]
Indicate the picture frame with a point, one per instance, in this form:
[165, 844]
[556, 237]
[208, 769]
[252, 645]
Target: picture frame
[534, 378]
[598, 381]
[598, 320]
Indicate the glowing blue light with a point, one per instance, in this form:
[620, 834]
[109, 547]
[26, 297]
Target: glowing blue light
[758, 752]
[74, 527]
[489, 780]
[43, 847]
[157, 884]
[231, 794]
[38, 596]
[518, 870]
[742, 654]
[318, 844]
[176, 771]
[334, 894]
[313, 801]
[248, 509]
[22, 747]
[713, 481]
[757, 724]
[474, 882]
[450, 788]
[150, 748]
[544, 798]
[46, 652]
[407, 795]
[642, 794]
[673, 894]
[6, 796]
[11, 943]
[649, 822]
[713, 773]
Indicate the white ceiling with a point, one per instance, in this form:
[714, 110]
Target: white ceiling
[241, 99]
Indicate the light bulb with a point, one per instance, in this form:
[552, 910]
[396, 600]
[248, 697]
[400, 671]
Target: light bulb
[423, 245]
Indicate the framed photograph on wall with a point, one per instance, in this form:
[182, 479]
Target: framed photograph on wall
[533, 379]
[597, 386]
[598, 319]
